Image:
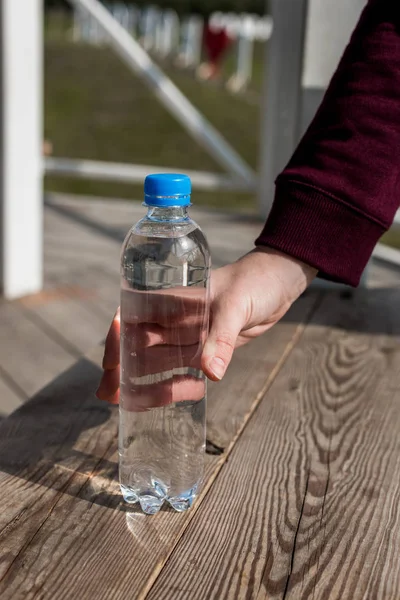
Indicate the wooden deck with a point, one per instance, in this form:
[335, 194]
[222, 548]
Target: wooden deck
[42, 335]
[301, 489]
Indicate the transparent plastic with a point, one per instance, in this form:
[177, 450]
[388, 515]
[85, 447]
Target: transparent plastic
[165, 266]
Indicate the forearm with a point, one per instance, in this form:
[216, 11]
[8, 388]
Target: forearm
[340, 191]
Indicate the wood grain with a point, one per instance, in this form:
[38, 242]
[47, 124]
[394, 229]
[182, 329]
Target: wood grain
[63, 531]
[28, 354]
[58, 493]
[307, 505]
[69, 313]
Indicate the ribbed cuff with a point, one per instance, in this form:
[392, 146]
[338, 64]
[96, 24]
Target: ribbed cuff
[321, 231]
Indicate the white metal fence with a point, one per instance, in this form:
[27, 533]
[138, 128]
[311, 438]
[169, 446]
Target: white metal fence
[166, 35]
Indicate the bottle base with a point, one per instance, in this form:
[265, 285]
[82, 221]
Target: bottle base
[152, 503]
[128, 495]
[184, 501]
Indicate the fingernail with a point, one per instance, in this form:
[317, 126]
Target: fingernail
[98, 391]
[217, 366]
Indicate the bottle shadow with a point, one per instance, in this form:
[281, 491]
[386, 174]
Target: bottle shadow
[65, 439]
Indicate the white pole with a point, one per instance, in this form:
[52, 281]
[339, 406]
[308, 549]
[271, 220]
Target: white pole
[195, 32]
[167, 92]
[280, 105]
[21, 164]
[149, 23]
[169, 32]
[107, 171]
[158, 32]
[244, 60]
[185, 52]
[133, 19]
[245, 33]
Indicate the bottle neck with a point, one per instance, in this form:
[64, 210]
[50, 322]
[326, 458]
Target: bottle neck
[167, 213]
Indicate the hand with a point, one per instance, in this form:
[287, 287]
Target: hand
[247, 298]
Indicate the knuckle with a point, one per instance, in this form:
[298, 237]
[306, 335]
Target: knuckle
[225, 342]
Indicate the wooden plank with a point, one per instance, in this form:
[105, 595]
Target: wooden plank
[103, 284]
[69, 311]
[306, 507]
[102, 226]
[70, 244]
[281, 95]
[64, 532]
[10, 396]
[27, 353]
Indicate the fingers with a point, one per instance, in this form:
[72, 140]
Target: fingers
[226, 325]
[157, 359]
[111, 349]
[141, 397]
[165, 307]
[150, 349]
[145, 335]
[109, 386]
[160, 331]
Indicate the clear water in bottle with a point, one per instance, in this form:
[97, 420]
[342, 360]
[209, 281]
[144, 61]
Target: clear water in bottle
[165, 268]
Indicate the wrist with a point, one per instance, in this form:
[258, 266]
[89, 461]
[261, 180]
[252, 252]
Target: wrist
[294, 274]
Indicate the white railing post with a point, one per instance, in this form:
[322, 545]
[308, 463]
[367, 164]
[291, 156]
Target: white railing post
[21, 217]
[195, 32]
[128, 173]
[244, 60]
[281, 97]
[308, 39]
[170, 33]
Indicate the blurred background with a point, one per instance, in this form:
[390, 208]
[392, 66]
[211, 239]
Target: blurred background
[96, 109]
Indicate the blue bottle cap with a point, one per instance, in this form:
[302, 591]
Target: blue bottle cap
[167, 189]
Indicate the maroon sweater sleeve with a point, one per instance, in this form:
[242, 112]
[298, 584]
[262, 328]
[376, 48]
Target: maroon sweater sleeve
[340, 190]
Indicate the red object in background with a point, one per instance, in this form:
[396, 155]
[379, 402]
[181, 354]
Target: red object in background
[216, 43]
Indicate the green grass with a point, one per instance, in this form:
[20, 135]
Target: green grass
[96, 108]
[392, 237]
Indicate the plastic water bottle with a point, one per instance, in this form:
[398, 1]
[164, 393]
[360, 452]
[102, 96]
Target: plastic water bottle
[165, 267]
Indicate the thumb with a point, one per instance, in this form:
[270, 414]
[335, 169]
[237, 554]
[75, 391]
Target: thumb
[220, 344]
